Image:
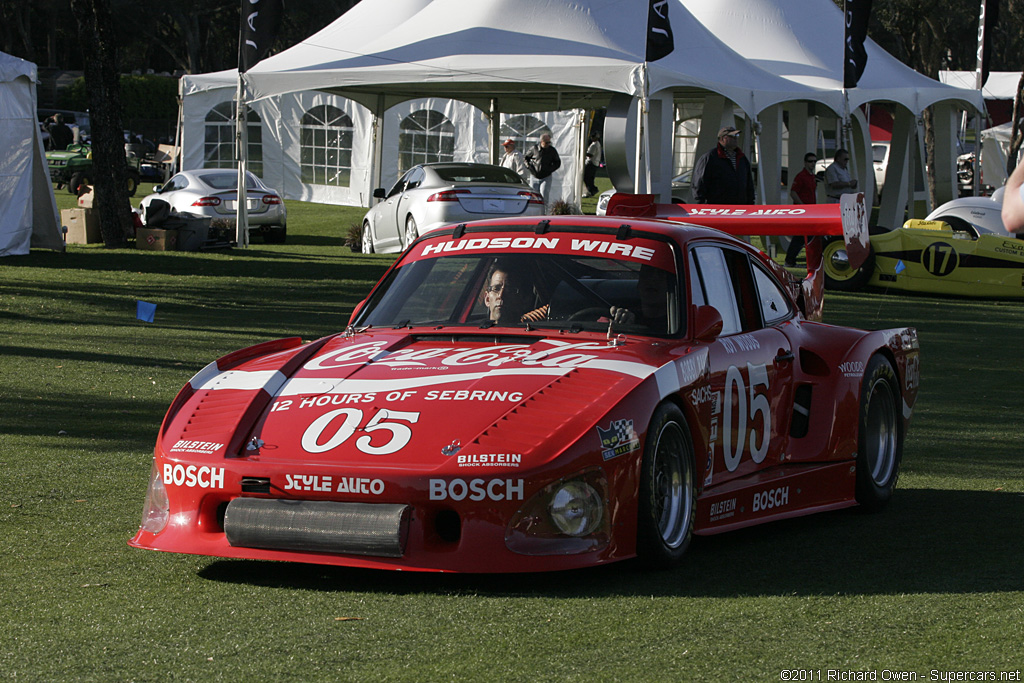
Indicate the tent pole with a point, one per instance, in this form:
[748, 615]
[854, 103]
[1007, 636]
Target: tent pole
[242, 151]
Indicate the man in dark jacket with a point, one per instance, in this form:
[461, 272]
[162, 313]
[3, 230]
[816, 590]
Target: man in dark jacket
[722, 176]
[60, 135]
[543, 160]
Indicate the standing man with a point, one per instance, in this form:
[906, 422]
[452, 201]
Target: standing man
[804, 190]
[543, 160]
[513, 159]
[837, 178]
[591, 163]
[723, 175]
[60, 135]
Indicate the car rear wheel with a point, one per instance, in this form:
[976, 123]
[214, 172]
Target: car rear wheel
[133, 183]
[879, 440]
[77, 179]
[838, 273]
[668, 493]
[367, 245]
[411, 231]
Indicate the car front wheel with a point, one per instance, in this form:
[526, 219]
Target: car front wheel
[879, 440]
[367, 245]
[668, 490]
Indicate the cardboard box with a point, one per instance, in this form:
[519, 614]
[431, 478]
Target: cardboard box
[83, 226]
[85, 200]
[156, 239]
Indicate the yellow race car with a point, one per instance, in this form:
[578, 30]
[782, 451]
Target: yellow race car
[933, 256]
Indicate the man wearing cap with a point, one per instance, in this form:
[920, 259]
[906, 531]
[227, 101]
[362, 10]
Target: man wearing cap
[513, 159]
[722, 175]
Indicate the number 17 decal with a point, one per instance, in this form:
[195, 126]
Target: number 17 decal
[758, 404]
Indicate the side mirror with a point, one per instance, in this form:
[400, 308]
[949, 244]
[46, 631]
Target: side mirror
[707, 323]
[379, 193]
[158, 189]
[355, 311]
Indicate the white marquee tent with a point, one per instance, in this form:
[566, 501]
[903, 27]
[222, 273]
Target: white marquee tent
[515, 56]
[28, 209]
[802, 41]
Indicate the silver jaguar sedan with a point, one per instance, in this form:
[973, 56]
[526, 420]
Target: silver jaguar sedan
[213, 192]
[431, 195]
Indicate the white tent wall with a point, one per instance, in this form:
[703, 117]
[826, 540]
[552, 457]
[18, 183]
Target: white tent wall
[28, 209]
[281, 125]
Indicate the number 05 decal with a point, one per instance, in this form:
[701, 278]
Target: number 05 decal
[758, 404]
[400, 434]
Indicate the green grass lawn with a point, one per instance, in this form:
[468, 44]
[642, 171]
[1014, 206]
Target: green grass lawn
[935, 582]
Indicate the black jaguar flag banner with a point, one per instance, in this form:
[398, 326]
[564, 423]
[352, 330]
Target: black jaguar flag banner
[986, 28]
[659, 31]
[856, 57]
[259, 23]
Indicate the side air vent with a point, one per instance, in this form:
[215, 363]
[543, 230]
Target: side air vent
[801, 411]
[255, 485]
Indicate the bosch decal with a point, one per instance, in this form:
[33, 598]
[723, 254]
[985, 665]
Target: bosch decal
[476, 489]
[772, 498]
[193, 476]
[620, 438]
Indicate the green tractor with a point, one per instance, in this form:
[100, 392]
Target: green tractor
[73, 168]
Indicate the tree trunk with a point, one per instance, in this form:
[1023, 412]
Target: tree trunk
[103, 82]
[1015, 132]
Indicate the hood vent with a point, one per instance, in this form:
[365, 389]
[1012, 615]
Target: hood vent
[553, 408]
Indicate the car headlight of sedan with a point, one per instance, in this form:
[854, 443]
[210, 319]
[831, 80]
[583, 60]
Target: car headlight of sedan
[156, 511]
[566, 517]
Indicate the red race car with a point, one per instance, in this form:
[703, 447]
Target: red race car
[532, 395]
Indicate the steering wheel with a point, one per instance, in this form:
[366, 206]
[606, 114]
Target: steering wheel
[590, 314]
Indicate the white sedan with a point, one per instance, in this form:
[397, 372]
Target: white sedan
[431, 195]
[213, 192]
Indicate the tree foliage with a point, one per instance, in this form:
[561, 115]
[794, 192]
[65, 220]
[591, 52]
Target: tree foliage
[193, 36]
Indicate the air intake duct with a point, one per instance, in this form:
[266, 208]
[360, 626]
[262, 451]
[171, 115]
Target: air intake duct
[377, 530]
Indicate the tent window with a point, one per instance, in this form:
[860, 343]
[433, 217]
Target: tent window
[219, 147]
[525, 130]
[326, 147]
[425, 136]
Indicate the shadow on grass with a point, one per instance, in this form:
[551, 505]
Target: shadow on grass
[927, 541]
[225, 263]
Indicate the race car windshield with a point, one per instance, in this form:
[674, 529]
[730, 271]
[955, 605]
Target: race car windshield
[558, 291]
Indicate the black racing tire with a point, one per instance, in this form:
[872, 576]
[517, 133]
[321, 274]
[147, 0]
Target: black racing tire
[133, 183]
[367, 241]
[838, 273]
[880, 434]
[275, 234]
[667, 506]
[76, 180]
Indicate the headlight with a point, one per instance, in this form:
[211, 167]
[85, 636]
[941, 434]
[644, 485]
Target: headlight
[157, 509]
[566, 517]
[576, 508]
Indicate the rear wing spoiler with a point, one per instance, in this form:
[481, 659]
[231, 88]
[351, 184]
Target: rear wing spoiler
[849, 218]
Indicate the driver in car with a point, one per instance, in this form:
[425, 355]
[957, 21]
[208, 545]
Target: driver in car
[508, 294]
